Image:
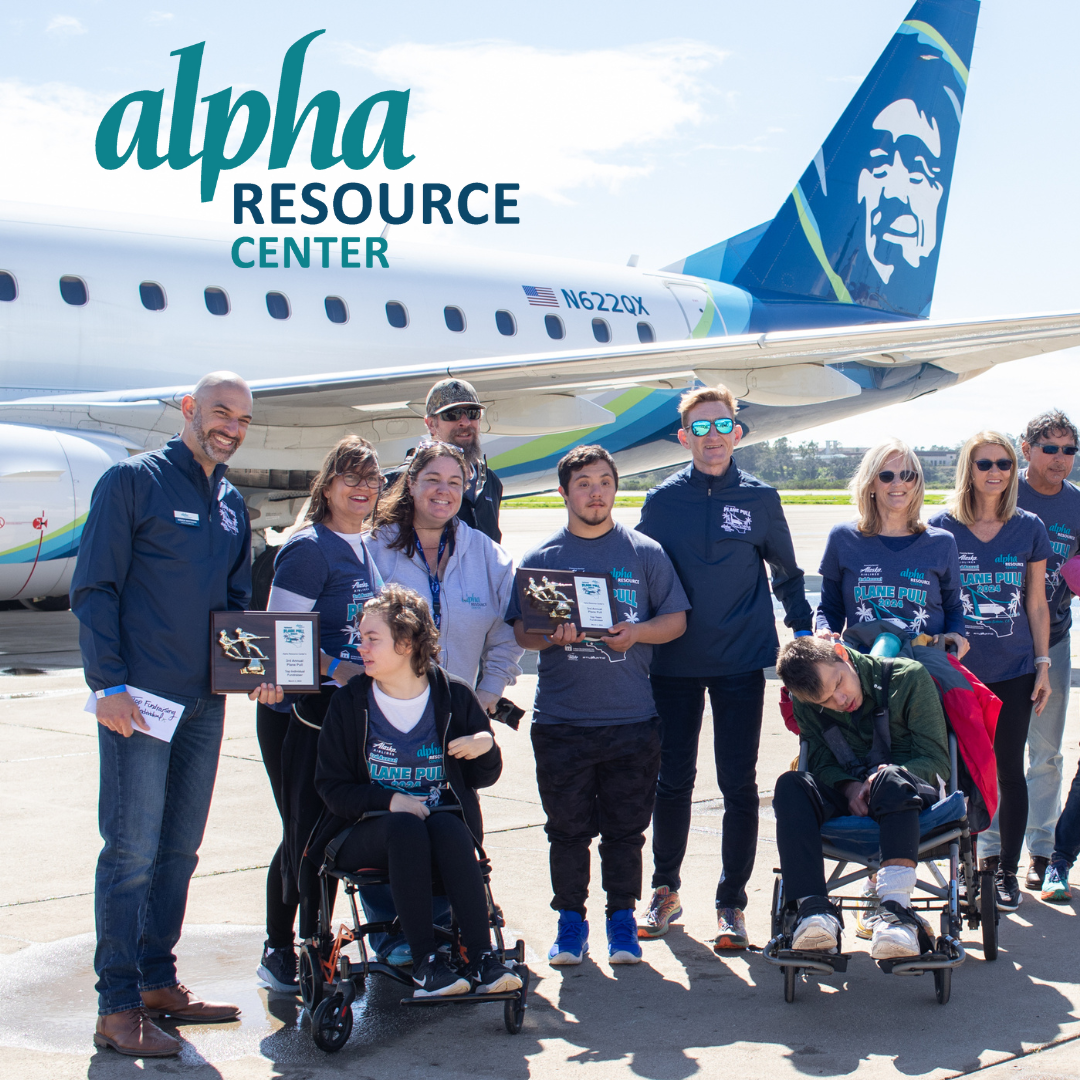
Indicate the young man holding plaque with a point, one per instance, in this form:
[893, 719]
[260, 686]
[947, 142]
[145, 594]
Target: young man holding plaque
[166, 542]
[595, 733]
[719, 526]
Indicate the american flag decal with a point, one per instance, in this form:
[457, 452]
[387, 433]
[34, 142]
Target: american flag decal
[540, 297]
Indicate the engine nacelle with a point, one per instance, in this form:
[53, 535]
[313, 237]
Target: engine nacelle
[46, 479]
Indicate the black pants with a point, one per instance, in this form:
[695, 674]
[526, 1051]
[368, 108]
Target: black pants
[282, 896]
[410, 848]
[1009, 742]
[596, 781]
[737, 702]
[802, 806]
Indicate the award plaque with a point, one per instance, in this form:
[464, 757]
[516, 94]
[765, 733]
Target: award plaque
[549, 598]
[252, 647]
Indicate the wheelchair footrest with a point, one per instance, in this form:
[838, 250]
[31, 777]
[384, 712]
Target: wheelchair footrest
[949, 954]
[822, 963]
[464, 999]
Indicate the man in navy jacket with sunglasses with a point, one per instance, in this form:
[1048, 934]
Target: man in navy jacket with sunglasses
[719, 526]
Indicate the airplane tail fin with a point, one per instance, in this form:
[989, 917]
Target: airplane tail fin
[863, 225]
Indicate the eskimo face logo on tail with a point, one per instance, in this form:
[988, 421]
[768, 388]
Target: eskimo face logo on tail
[901, 188]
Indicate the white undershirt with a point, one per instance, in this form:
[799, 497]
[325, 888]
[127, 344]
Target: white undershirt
[402, 713]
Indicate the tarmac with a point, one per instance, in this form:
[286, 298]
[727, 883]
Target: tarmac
[684, 1012]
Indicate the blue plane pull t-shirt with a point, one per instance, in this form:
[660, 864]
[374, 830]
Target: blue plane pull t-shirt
[410, 762]
[912, 582]
[992, 587]
[1060, 514]
[588, 683]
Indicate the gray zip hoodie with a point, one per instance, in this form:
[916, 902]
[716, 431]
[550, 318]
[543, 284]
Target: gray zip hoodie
[476, 588]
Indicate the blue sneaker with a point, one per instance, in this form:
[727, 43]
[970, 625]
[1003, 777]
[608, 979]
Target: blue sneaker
[571, 939]
[622, 938]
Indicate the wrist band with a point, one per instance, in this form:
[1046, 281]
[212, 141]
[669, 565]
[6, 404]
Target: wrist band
[332, 667]
[1042, 660]
[804, 633]
[99, 694]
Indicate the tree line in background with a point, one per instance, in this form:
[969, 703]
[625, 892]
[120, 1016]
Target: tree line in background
[788, 465]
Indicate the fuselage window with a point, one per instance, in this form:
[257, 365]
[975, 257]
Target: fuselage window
[217, 301]
[278, 305]
[396, 315]
[336, 311]
[601, 331]
[554, 327]
[455, 319]
[8, 289]
[645, 333]
[505, 322]
[73, 290]
[152, 296]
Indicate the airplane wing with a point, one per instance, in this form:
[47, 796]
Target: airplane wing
[541, 392]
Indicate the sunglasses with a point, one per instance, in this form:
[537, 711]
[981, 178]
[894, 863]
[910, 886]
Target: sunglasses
[887, 476]
[724, 426]
[985, 464]
[371, 482]
[454, 415]
[1050, 448]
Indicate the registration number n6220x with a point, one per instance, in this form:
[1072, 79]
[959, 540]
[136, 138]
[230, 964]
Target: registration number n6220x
[621, 305]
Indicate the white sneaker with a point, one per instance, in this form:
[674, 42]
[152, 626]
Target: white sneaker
[866, 917]
[816, 933]
[892, 938]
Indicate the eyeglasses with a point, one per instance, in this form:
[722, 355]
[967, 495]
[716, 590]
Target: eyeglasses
[907, 476]
[985, 464]
[1050, 448]
[724, 426]
[373, 482]
[454, 415]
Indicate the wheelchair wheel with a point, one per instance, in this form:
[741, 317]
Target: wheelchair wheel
[310, 977]
[943, 984]
[514, 1008]
[331, 1024]
[988, 914]
[790, 975]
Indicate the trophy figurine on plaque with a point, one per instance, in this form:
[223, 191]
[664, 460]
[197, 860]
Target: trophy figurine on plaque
[549, 598]
[241, 648]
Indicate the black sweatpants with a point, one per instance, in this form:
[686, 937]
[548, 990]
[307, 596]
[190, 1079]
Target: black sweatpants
[410, 847]
[802, 806]
[1009, 742]
[596, 781]
[282, 895]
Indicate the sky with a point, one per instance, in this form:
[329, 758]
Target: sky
[632, 128]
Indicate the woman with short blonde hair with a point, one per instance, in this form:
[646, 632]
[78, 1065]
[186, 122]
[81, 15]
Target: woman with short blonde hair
[1003, 552]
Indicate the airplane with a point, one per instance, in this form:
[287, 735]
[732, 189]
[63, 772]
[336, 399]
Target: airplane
[818, 314]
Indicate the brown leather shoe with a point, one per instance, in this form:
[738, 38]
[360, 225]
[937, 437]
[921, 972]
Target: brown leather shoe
[180, 1003]
[132, 1032]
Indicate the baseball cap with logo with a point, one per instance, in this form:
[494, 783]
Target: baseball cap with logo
[448, 394]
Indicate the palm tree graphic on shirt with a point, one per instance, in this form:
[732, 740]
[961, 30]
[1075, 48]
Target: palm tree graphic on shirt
[920, 619]
[865, 612]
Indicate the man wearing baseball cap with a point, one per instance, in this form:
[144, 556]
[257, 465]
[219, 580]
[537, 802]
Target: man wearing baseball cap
[452, 414]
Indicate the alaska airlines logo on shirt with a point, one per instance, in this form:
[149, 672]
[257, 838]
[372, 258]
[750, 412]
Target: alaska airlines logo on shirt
[870, 575]
[736, 519]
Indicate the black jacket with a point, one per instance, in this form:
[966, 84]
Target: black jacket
[341, 774]
[720, 531]
[483, 514]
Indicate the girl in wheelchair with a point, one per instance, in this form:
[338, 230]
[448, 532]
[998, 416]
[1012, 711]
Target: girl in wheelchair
[399, 741]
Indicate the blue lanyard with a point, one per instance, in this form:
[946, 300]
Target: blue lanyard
[434, 584]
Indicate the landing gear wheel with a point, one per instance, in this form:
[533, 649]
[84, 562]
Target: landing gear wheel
[310, 978]
[514, 1008]
[790, 974]
[988, 914]
[943, 984]
[331, 1024]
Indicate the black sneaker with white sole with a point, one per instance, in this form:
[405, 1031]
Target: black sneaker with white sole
[1008, 890]
[494, 977]
[434, 977]
[278, 968]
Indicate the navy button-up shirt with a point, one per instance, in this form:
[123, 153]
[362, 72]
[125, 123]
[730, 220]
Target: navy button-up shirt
[163, 546]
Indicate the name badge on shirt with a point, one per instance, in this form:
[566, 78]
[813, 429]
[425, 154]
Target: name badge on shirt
[184, 518]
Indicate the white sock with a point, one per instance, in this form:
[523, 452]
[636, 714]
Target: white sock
[896, 883]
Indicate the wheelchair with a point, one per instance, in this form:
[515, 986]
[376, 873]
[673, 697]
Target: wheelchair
[965, 896]
[330, 981]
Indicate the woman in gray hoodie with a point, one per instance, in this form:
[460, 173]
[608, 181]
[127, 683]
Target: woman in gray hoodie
[418, 542]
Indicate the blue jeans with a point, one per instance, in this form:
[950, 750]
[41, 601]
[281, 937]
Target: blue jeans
[737, 702]
[152, 807]
[1044, 762]
[1067, 834]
